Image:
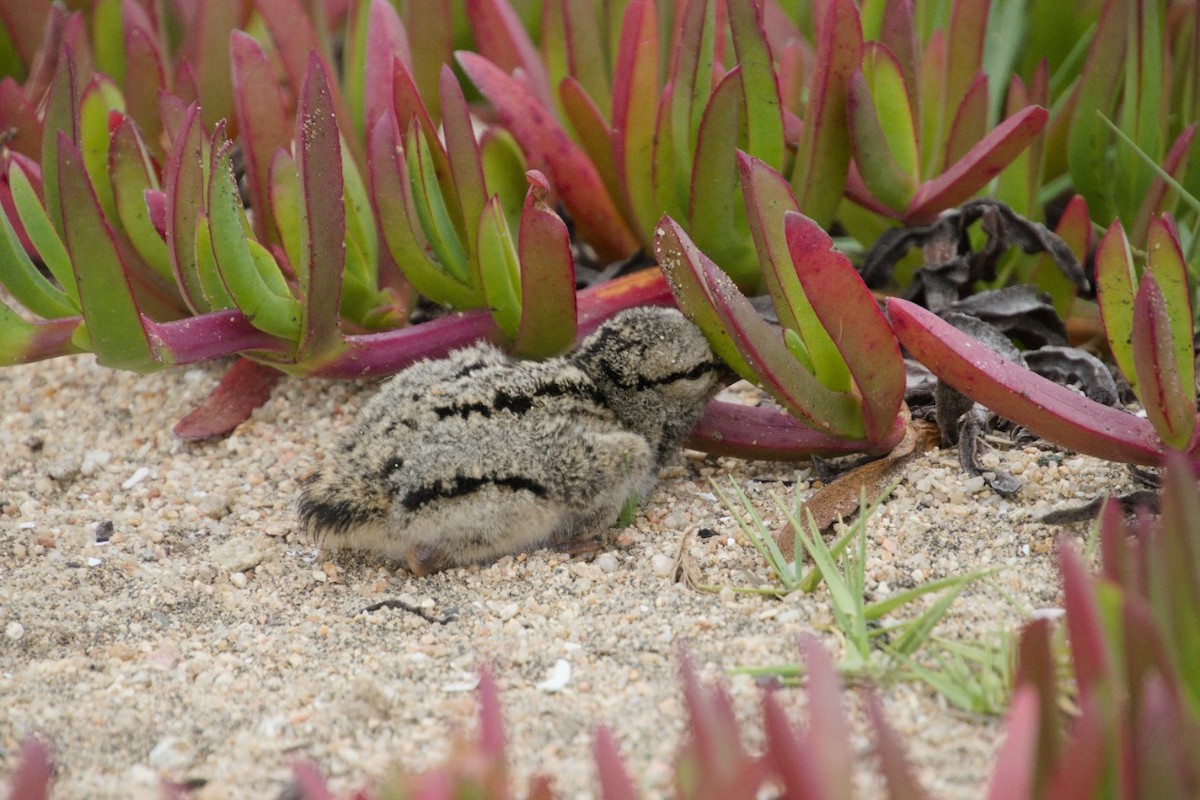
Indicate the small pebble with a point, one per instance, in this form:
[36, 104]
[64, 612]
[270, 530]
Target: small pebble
[559, 677]
[238, 579]
[607, 562]
[172, 753]
[662, 564]
[14, 630]
[137, 477]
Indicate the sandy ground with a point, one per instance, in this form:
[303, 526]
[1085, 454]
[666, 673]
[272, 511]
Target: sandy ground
[205, 639]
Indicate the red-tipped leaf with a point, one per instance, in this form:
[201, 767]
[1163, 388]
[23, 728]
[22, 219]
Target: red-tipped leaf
[1017, 394]
[982, 162]
[850, 316]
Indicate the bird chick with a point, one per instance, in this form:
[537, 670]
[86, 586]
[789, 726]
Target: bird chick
[477, 455]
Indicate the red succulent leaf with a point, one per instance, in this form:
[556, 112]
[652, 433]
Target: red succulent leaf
[1081, 765]
[837, 295]
[309, 783]
[1013, 772]
[501, 39]
[492, 739]
[243, 388]
[1161, 197]
[1017, 394]
[547, 325]
[263, 125]
[323, 215]
[980, 164]
[827, 735]
[969, 125]
[787, 754]
[573, 176]
[145, 71]
[893, 763]
[635, 112]
[732, 429]
[19, 115]
[615, 783]
[386, 40]
[823, 154]
[1090, 656]
[1036, 669]
[24, 21]
[899, 35]
[1170, 405]
[31, 778]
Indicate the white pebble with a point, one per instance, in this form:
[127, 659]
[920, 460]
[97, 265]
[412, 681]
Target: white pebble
[918, 575]
[455, 687]
[94, 562]
[607, 562]
[137, 477]
[238, 579]
[14, 630]
[662, 564]
[556, 681]
[172, 753]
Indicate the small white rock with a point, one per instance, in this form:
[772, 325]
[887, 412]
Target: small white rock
[94, 562]
[467, 685]
[137, 477]
[172, 753]
[238, 554]
[559, 677]
[238, 579]
[662, 564]
[14, 630]
[607, 562]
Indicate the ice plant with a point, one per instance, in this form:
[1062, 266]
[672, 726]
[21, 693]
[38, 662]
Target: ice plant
[920, 122]
[1149, 330]
[844, 381]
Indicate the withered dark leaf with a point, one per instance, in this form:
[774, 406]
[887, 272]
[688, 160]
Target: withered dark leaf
[1072, 366]
[948, 236]
[1020, 312]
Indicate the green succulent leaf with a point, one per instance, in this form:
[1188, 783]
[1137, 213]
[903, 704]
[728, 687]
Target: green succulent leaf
[184, 184]
[99, 99]
[1087, 139]
[635, 112]
[716, 214]
[216, 295]
[432, 211]
[761, 107]
[113, 319]
[260, 294]
[500, 269]
[25, 282]
[130, 174]
[823, 155]
[41, 233]
[398, 221]
[1115, 282]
